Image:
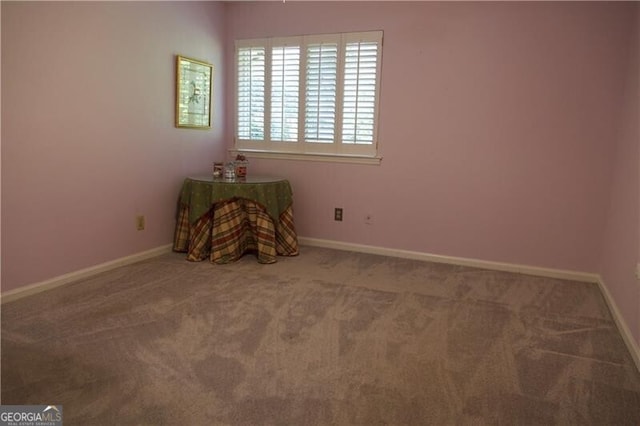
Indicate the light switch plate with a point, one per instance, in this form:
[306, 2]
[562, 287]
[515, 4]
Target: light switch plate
[638, 271]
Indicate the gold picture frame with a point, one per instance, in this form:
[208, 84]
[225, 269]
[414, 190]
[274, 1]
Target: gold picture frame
[194, 81]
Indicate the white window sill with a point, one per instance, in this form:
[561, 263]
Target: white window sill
[331, 158]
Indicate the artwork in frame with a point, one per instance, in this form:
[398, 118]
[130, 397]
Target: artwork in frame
[194, 80]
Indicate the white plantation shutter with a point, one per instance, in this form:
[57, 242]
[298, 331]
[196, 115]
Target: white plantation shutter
[285, 82]
[250, 92]
[320, 96]
[359, 96]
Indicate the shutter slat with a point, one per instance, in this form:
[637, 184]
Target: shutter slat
[285, 83]
[320, 95]
[361, 59]
[250, 101]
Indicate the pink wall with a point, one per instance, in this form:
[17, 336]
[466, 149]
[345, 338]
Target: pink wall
[496, 127]
[88, 137]
[621, 244]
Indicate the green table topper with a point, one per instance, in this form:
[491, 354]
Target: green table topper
[200, 193]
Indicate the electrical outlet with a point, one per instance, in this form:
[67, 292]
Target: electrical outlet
[337, 214]
[140, 223]
[368, 219]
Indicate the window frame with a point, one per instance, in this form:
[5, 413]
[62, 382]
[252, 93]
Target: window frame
[301, 149]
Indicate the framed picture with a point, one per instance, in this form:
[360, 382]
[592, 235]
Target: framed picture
[193, 93]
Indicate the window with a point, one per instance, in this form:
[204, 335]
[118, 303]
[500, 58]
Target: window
[314, 95]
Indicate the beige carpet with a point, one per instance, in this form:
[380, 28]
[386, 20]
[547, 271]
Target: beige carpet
[327, 338]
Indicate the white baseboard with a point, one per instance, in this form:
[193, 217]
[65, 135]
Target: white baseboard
[463, 261]
[627, 336]
[49, 284]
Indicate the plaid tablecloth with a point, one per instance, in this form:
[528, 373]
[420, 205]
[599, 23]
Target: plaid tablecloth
[232, 227]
